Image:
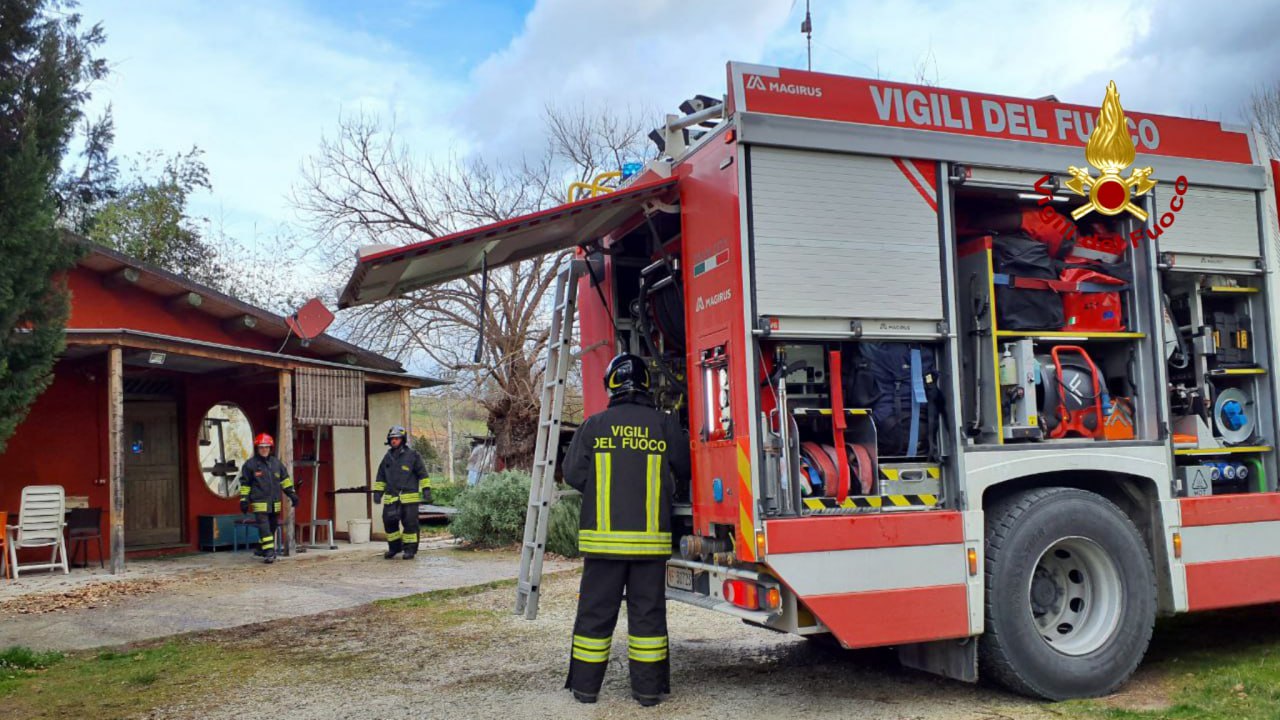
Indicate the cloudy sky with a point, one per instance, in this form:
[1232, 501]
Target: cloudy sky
[257, 84]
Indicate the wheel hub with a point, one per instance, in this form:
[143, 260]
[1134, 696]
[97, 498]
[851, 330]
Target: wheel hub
[1045, 592]
[1075, 596]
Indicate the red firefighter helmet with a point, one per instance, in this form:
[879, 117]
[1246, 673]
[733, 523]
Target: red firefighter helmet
[264, 439]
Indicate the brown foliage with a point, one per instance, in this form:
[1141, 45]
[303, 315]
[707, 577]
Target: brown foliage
[365, 187]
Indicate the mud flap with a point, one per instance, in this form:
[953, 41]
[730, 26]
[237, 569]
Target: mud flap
[955, 659]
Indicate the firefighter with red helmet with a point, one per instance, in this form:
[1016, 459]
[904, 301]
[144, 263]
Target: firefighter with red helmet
[402, 484]
[262, 480]
[625, 461]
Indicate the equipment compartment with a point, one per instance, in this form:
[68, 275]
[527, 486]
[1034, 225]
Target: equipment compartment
[862, 424]
[1051, 345]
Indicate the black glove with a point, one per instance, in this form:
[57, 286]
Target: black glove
[244, 506]
[426, 495]
[294, 499]
[377, 498]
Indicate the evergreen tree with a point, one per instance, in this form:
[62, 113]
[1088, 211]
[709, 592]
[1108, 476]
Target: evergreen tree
[46, 65]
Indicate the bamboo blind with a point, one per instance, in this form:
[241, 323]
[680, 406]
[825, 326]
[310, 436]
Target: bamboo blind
[329, 397]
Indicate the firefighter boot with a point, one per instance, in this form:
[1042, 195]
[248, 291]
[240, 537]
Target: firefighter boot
[646, 700]
[584, 698]
[269, 557]
[410, 553]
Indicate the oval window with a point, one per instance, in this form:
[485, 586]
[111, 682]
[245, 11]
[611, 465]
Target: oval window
[225, 442]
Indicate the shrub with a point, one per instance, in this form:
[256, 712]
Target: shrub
[447, 494]
[492, 513]
[562, 528]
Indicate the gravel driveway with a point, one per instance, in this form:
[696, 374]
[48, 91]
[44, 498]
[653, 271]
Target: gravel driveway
[160, 598]
[468, 657]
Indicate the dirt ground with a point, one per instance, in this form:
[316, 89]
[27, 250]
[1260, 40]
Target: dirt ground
[469, 657]
[460, 653]
[159, 598]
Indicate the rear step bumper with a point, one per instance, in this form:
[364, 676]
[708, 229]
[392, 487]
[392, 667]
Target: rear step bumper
[709, 603]
[716, 575]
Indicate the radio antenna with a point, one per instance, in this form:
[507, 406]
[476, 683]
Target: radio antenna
[806, 27]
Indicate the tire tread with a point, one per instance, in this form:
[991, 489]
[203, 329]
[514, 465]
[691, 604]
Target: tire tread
[1001, 520]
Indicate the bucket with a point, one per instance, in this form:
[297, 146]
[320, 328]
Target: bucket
[358, 531]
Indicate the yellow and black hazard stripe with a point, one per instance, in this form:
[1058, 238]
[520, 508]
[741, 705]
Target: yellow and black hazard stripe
[871, 501]
[894, 474]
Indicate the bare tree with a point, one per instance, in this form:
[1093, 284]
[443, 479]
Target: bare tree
[364, 186]
[1264, 112]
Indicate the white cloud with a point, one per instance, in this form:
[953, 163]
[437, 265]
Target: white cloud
[255, 85]
[636, 55]
[1005, 47]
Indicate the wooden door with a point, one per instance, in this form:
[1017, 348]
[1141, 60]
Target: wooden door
[152, 479]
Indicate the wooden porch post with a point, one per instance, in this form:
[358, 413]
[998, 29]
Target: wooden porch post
[115, 445]
[406, 414]
[285, 448]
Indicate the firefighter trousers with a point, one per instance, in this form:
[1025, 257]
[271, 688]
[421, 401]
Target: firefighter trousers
[267, 524]
[398, 515]
[603, 583]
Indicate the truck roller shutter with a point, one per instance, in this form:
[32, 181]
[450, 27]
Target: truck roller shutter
[844, 236]
[1213, 221]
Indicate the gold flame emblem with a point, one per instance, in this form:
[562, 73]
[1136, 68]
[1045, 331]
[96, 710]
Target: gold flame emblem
[1110, 150]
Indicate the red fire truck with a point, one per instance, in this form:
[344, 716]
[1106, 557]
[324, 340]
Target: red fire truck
[946, 389]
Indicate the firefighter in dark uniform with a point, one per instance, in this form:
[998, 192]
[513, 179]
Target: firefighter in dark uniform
[401, 485]
[262, 479]
[625, 461]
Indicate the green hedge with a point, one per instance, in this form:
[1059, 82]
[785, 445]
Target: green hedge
[492, 514]
[446, 494]
[562, 532]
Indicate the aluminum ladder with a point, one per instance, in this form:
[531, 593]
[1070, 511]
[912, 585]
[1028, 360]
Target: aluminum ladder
[542, 489]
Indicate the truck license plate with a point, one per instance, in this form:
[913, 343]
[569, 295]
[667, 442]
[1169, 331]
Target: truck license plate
[680, 578]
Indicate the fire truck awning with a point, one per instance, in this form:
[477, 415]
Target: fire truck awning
[384, 273]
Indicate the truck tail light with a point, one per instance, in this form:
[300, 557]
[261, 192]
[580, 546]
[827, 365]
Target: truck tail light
[747, 595]
[742, 593]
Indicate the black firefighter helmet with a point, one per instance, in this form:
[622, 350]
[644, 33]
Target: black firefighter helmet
[627, 375]
[397, 431]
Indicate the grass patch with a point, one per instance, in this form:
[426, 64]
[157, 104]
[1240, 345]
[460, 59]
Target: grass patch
[453, 617]
[18, 662]
[1218, 665]
[122, 684]
[430, 599]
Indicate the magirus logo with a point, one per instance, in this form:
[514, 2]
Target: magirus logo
[755, 82]
[704, 303]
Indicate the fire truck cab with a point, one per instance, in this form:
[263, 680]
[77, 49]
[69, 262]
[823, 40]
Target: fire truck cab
[934, 400]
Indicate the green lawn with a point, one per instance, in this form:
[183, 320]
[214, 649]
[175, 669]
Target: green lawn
[1217, 665]
[116, 684]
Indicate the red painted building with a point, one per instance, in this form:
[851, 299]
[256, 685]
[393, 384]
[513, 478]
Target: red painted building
[159, 374]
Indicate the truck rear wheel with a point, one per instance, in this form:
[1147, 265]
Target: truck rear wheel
[1070, 595]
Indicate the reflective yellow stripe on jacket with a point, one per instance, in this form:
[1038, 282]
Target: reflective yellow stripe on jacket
[625, 543]
[604, 481]
[653, 490]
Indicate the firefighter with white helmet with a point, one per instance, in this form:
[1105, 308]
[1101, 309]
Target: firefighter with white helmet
[402, 484]
[625, 461]
[263, 478]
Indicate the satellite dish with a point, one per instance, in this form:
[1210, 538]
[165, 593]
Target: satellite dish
[310, 320]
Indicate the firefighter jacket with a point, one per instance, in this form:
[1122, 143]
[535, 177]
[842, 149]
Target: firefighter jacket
[402, 477]
[261, 482]
[625, 461]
